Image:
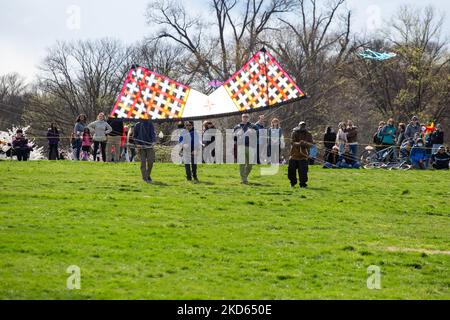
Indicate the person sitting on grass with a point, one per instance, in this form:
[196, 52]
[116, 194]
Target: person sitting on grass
[418, 155]
[405, 151]
[21, 146]
[347, 160]
[332, 158]
[440, 160]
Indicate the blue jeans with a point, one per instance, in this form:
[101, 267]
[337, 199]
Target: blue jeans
[77, 149]
[341, 148]
[344, 165]
[354, 149]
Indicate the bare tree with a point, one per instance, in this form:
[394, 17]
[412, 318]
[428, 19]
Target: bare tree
[314, 44]
[164, 58]
[209, 40]
[415, 82]
[13, 94]
[83, 77]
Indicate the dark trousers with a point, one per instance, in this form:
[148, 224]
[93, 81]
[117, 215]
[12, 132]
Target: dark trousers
[102, 144]
[191, 169]
[53, 152]
[132, 153]
[147, 156]
[22, 155]
[302, 167]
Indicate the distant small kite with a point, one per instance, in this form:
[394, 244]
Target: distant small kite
[379, 56]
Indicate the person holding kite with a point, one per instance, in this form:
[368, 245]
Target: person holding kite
[242, 132]
[192, 146]
[144, 139]
[301, 141]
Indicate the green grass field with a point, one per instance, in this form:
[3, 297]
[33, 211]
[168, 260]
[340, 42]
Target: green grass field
[220, 239]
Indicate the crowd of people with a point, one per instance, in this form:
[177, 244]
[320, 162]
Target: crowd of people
[110, 140]
[420, 145]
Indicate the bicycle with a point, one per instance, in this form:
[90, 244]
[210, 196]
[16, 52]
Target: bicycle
[372, 159]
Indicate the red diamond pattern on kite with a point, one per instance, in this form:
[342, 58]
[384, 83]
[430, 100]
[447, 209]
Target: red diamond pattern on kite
[261, 82]
[148, 95]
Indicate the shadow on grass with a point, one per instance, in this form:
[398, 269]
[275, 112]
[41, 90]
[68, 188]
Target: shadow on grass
[208, 183]
[159, 184]
[257, 184]
[318, 189]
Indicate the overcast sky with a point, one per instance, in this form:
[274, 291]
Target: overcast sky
[28, 27]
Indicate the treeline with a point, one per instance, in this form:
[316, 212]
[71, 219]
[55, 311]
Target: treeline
[315, 43]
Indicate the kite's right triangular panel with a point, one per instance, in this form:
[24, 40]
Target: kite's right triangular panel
[261, 83]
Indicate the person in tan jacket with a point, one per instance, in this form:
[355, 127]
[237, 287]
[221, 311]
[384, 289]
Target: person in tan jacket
[301, 142]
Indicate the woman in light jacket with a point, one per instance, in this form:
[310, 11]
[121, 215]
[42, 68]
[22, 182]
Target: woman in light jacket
[100, 128]
[341, 137]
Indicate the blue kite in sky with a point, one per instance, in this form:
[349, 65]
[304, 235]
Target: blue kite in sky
[379, 56]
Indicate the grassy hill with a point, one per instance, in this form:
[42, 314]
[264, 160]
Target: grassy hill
[220, 239]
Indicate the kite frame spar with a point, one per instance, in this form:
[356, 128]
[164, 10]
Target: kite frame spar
[301, 94]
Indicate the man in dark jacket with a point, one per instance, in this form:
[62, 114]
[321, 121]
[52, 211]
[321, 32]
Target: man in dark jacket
[301, 142]
[440, 160]
[114, 140]
[144, 138]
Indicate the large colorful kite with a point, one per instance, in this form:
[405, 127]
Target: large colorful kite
[261, 83]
